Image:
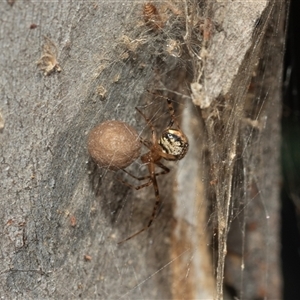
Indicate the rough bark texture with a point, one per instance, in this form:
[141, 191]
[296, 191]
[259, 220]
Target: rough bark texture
[61, 216]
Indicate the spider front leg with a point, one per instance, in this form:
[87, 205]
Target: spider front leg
[170, 108]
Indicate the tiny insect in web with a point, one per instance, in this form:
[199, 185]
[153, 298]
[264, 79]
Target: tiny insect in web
[151, 16]
[171, 145]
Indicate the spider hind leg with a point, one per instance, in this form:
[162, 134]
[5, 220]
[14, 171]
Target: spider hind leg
[153, 181]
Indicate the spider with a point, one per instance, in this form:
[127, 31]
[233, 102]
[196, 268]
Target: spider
[172, 145]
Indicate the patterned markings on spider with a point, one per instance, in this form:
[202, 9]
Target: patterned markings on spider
[172, 145]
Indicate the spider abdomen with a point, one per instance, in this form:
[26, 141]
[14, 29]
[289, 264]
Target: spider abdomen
[174, 143]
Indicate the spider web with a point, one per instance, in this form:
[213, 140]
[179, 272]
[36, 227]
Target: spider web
[221, 208]
[216, 234]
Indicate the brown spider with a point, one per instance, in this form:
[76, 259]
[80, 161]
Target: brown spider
[172, 145]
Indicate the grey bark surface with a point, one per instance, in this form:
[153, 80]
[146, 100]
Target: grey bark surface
[61, 215]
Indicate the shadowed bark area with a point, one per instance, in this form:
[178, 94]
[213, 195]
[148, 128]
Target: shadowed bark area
[68, 66]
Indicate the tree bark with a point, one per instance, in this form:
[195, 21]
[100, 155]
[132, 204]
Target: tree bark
[68, 66]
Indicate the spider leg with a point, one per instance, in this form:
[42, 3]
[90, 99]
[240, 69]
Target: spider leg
[171, 109]
[150, 124]
[151, 167]
[133, 186]
[172, 113]
[146, 143]
[156, 191]
[165, 171]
